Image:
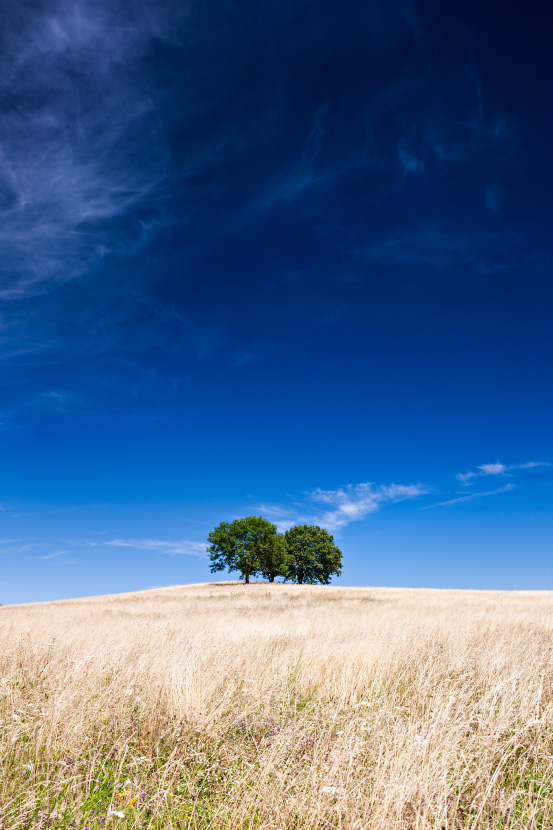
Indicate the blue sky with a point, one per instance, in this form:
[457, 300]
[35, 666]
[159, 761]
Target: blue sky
[290, 258]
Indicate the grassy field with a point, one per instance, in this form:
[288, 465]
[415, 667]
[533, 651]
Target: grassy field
[233, 706]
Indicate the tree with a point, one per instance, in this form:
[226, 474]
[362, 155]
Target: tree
[313, 555]
[330, 559]
[273, 556]
[239, 545]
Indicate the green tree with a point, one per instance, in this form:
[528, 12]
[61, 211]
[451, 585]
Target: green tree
[238, 545]
[273, 557]
[313, 555]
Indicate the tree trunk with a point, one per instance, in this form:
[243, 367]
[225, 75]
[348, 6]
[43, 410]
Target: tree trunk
[271, 579]
[300, 579]
[247, 578]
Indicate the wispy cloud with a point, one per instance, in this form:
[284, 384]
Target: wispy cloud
[291, 183]
[84, 181]
[274, 510]
[67, 167]
[15, 548]
[109, 137]
[42, 512]
[163, 546]
[409, 161]
[242, 357]
[497, 469]
[356, 501]
[284, 517]
[350, 503]
[471, 497]
[436, 245]
[53, 555]
[53, 400]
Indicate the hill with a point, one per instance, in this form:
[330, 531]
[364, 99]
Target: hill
[278, 706]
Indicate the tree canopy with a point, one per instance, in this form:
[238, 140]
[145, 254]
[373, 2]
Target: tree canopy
[313, 555]
[274, 558]
[242, 545]
[305, 554]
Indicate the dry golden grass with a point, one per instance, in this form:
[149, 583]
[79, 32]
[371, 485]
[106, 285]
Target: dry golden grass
[278, 707]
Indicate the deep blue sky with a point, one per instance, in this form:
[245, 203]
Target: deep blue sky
[288, 257]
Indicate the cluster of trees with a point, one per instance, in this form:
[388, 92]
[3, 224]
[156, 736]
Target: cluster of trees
[305, 554]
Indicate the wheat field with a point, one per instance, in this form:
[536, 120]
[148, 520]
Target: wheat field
[278, 707]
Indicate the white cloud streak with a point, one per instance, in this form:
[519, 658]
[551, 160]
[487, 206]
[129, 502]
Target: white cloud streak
[68, 170]
[497, 469]
[347, 504]
[53, 555]
[186, 547]
[471, 497]
[356, 501]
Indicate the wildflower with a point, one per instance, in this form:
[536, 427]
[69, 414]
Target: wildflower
[126, 797]
[361, 703]
[420, 743]
[331, 790]
[118, 813]
[128, 691]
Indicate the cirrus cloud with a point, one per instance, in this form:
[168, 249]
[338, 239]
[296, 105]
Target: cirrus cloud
[163, 546]
[356, 501]
[346, 504]
[72, 192]
[497, 469]
[471, 497]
